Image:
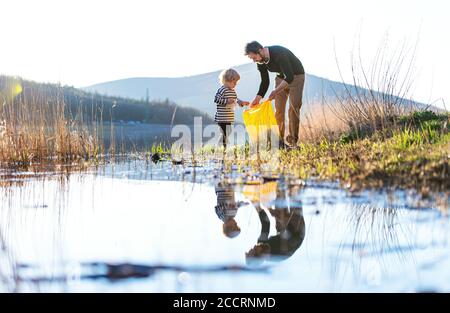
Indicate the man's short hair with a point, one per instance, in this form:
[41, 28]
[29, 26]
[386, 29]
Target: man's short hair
[252, 47]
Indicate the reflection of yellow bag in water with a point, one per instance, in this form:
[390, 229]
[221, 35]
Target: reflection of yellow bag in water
[260, 122]
[263, 193]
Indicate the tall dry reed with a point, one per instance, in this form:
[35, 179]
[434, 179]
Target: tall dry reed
[36, 125]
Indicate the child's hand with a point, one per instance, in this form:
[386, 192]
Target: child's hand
[231, 101]
[244, 103]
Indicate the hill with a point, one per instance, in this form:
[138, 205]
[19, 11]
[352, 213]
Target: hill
[198, 91]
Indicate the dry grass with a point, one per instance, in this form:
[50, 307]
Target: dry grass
[379, 94]
[381, 89]
[322, 124]
[35, 126]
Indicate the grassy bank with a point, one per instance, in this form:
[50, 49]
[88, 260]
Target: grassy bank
[414, 152]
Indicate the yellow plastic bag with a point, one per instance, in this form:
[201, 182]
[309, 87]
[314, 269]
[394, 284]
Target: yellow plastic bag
[260, 123]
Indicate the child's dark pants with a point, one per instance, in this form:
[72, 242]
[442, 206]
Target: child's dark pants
[225, 129]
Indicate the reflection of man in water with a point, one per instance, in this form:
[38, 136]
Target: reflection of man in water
[290, 227]
[226, 209]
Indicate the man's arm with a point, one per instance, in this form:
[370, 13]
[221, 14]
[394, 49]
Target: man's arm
[265, 225]
[280, 87]
[286, 68]
[263, 86]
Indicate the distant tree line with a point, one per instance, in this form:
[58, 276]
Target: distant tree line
[125, 109]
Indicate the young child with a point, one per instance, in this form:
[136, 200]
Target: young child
[226, 100]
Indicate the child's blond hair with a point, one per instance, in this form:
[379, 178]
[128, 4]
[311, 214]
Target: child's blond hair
[229, 75]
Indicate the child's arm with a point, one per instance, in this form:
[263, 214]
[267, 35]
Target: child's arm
[225, 97]
[220, 99]
[242, 103]
[231, 95]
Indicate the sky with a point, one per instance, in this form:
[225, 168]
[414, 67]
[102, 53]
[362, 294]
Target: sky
[83, 42]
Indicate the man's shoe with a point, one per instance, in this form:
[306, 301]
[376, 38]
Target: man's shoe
[292, 147]
[291, 140]
[282, 145]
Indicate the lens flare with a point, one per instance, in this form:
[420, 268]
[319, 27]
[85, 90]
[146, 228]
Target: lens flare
[9, 90]
[17, 89]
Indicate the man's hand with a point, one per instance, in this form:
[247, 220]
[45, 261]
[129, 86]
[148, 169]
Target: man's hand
[283, 85]
[256, 101]
[272, 95]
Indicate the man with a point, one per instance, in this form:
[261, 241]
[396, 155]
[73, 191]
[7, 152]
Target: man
[289, 82]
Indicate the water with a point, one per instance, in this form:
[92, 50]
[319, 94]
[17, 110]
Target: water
[147, 227]
[140, 136]
[137, 136]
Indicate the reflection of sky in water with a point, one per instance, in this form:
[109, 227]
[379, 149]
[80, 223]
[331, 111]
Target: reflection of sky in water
[351, 243]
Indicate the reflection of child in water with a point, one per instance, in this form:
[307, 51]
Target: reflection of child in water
[226, 209]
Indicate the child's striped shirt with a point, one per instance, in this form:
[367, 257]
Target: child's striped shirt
[225, 112]
[226, 207]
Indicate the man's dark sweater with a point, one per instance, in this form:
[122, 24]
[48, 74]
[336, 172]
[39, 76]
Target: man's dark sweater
[283, 62]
